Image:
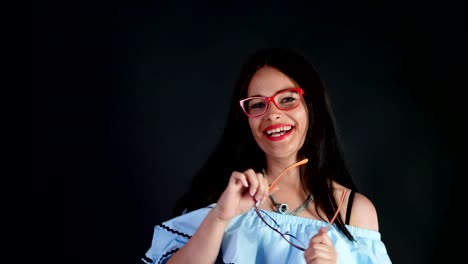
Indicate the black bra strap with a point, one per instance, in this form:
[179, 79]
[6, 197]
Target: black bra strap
[350, 205]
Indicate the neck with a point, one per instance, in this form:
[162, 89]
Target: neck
[275, 167]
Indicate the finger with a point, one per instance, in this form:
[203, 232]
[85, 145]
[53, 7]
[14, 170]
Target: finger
[324, 235]
[262, 189]
[311, 257]
[320, 249]
[321, 238]
[253, 181]
[320, 257]
[320, 253]
[238, 180]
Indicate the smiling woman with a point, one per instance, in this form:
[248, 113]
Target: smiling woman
[279, 138]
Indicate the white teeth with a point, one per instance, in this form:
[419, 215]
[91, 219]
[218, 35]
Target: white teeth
[278, 130]
[278, 134]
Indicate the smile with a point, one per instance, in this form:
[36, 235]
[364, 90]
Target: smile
[279, 131]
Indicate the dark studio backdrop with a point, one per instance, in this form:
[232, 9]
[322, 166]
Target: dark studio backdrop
[130, 97]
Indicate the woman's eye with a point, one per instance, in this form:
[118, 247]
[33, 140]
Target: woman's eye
[257, 105]
[288, 99]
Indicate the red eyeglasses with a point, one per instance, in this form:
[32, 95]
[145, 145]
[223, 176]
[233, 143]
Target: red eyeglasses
[284, 100]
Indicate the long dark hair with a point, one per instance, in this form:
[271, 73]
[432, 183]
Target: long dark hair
[238, 151]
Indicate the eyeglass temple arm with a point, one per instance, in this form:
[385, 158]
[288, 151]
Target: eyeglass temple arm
[272, 185]
[337, 210]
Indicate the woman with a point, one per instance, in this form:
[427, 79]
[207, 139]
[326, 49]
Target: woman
[253, 202]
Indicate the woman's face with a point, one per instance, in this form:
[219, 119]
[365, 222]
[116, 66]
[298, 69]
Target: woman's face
[279, 133]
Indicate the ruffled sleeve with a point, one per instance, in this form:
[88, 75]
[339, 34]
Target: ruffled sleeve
[371, 251]
[367, 249]
[171, 235]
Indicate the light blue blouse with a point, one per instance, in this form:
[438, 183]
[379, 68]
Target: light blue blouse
[248, 239]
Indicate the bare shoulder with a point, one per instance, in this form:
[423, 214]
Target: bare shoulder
[363, 212]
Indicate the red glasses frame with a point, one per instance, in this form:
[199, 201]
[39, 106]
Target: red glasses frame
[300, 91]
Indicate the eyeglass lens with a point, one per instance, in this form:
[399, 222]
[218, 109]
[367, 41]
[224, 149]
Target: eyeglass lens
[292, 240]
[284, 100]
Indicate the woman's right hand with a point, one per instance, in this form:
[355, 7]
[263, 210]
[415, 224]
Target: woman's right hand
[244, 190]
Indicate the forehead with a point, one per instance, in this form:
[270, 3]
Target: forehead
[267, 81]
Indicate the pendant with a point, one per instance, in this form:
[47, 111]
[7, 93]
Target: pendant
[282, 208]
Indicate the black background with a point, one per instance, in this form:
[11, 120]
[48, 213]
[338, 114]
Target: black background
[119, 103]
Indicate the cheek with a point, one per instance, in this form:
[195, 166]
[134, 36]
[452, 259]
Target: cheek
[302, 117]
[306, 119]
[253, 124]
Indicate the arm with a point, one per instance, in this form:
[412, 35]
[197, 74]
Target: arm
[241, 194]
[204, 245]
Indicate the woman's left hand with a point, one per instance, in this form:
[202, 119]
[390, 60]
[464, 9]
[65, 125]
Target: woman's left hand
[321, 249]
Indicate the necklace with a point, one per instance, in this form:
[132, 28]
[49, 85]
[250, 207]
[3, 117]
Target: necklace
[283, 208]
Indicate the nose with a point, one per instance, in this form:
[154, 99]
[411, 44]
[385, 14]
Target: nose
[272, 112]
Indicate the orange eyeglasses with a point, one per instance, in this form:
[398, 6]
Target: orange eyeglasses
[286, 236]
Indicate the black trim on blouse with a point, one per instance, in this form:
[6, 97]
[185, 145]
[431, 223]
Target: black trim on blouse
[167, 254]
[146, 259]
[174, 231]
